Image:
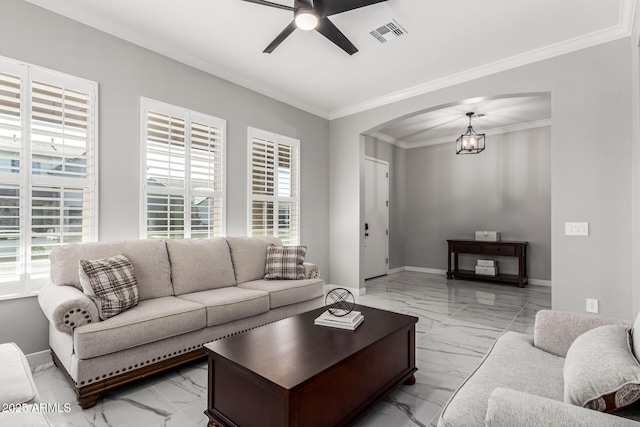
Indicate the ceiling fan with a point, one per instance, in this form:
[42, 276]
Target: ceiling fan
[313, 15]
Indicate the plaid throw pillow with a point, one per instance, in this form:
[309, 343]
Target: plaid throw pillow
[111, 283]
[285, 262]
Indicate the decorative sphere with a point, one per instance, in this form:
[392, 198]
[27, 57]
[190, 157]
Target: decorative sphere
[339, 302]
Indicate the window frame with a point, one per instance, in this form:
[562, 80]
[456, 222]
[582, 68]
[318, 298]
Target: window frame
[186, 192]
[277, 140]
[27, 283]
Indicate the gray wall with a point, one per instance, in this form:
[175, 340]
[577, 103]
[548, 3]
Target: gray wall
[635, 156]
[505, 188]
[591, 171]
[396, 157]
[125, 72]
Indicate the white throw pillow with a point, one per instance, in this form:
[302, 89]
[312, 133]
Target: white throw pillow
[600, 370]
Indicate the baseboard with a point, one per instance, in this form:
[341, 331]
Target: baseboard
[540, 282]
[425, 270]
[396, 270]
[39, 358]
[354, 291]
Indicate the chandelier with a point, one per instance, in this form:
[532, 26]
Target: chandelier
[470, 142]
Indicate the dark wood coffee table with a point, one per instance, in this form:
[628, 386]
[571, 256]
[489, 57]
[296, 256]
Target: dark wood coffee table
[294, 373]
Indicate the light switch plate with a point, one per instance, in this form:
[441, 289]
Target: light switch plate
[576, 228]
[592, 305]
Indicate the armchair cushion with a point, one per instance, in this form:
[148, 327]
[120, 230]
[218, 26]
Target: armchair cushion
[509, 363]
[512, 408]
[600, 371]
[554, 330]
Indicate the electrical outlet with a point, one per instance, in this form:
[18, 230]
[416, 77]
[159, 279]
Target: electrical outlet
[592, 305]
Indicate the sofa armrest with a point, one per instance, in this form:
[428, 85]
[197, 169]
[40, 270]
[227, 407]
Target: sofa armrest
[311, 271]
[554, 330]
[66, 307]
[511, 408]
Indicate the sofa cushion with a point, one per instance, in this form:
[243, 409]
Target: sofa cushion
[512, 362]
[200, 264]
[231, 303]
[148, 257]
[111, 283]
[285, 292]
[600, 371]
[249, 256]
[149, 321]
[285, 262]
[15, 376]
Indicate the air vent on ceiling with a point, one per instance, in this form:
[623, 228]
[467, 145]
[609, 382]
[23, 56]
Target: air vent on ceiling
[480, 115]
[388, 32]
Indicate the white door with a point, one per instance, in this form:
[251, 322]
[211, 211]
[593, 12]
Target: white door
[376, 202]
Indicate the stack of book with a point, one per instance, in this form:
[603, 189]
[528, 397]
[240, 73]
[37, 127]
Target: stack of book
[487, 267]
[350, 321]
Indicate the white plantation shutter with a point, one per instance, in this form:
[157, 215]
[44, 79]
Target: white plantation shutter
[48, 171]
[11, 181]
[274, 177]
[10, 123]
[60, 131]
[184, 189]
[10, 234]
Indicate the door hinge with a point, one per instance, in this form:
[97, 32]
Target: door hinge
[387, 232]
[387, 203]
[387, 261]
[387, 174]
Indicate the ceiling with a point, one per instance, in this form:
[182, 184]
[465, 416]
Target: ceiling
[445, 124]
[447, 41]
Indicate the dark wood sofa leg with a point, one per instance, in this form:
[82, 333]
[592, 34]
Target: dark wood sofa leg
[89, 400]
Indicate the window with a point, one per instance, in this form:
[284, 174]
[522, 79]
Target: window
[48, 171]
[274, 182]
[183, 172]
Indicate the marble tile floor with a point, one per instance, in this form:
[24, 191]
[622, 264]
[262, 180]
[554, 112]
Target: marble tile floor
[459, 320]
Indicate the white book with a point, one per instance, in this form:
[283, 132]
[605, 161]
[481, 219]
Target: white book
[337, 325]
[487, 271]
[348, 319]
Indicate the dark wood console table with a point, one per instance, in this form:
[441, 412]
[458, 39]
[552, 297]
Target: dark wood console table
[501, 248]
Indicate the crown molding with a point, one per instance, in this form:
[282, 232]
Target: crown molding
[623, 29]
[450, 139]
[389, 139]
[125, 33]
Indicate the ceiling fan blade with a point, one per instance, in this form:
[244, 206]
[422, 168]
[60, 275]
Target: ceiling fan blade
[280, 38]
[303, 3]
[333, 7]
[330, 31]
[270, 4]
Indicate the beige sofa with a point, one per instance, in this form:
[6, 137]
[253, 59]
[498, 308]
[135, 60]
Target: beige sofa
[190, 292]
[522, 380]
